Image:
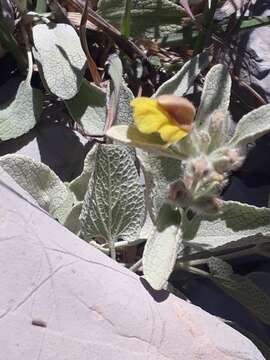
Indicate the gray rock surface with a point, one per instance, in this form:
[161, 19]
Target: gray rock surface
[249, 59]
[62, 299]
[249, 53]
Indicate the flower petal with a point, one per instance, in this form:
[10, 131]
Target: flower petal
[171, 133]
[151, 117]
[179, 108]
[148, 115]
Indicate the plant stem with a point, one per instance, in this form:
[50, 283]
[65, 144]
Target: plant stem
[207, 27]
[29, 55]
[125, 243]
[130, 48]
[136, 266]
[99, 247]
[91, 64]
[125, 25]
[41, 6]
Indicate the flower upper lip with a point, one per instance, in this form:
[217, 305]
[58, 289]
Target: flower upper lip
[169, 115]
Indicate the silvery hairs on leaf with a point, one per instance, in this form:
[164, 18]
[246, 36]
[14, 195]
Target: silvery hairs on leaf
[252, 126]
[219, 268]
[159, 172]
[72, 221]
[254, 244]
[148, 17]
[60, 58]
[79, 185]
[41, 183]
[236, 221]
[241, 288]
[113, 207]
[215, 95]
[180, 83]
[20, 114]
[124, 114]
[160, 254]
[115, 72]
[88, 108]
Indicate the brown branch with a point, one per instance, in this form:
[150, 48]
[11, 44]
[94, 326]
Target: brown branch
[124, 44]
[91, 63]
[253, 92]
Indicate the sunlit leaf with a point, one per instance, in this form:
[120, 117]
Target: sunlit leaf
[131, 136]
[158, 172]
[216, 93]
[160, 255]
[60, 58]
[252, 126]
[88, 108]
[72, 221]
[113, 207]
[115, 71]
[79, 185]
[184, 78]
[41, 183]
[238, 221]
[124, 111]
[21, 113]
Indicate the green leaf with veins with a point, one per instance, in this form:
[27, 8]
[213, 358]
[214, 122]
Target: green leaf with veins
[159, 172]
[41, 183]
[237, 221]
[215, 95]
[60, 58]
[79, 185]
[124, 114]
[153, 18]
[184, 78]
[72, 221]
[88, 108]
[160, 254]
[257, 244]
[115, 71]
[241, 288]
[252, 126]
[20, 114]
[113, 207]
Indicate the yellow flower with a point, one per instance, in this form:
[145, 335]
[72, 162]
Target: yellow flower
[169, 115]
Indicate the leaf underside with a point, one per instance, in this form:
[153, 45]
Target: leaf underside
[160, 255]
[113, 207]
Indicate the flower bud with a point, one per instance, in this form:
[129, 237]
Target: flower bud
[201, 167]
[208, 205]
[178, 194]
[227, 160]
